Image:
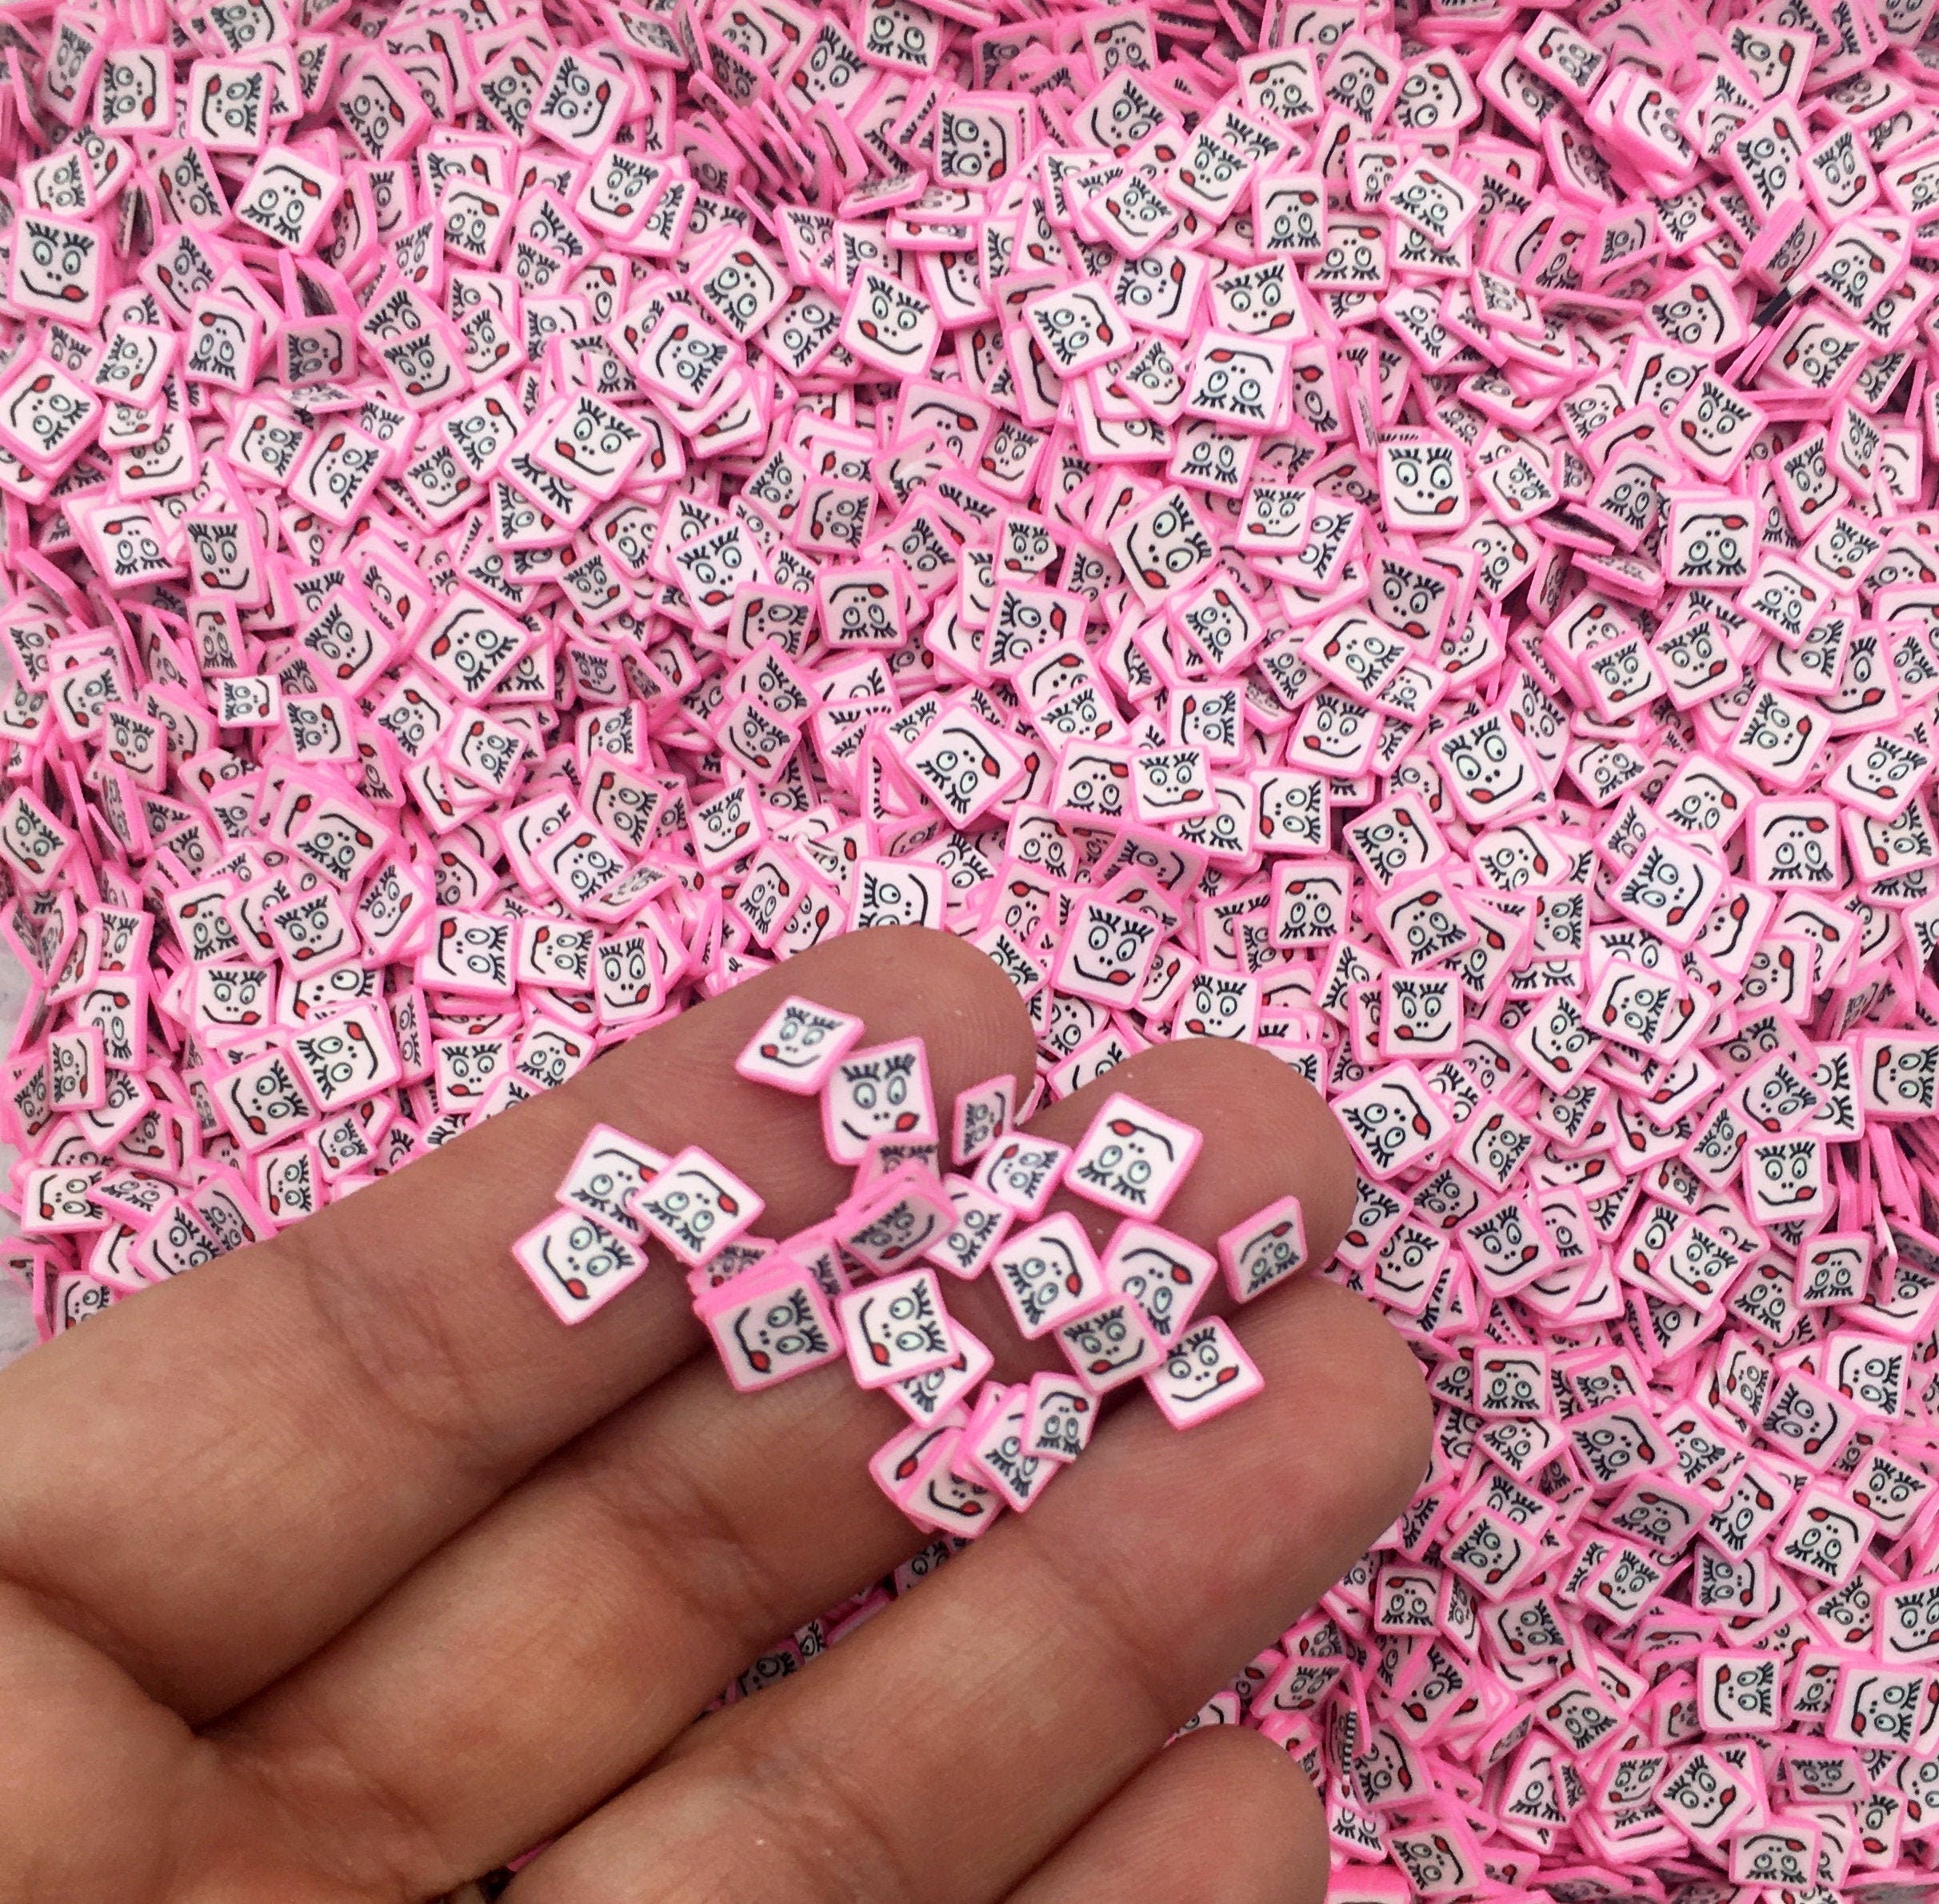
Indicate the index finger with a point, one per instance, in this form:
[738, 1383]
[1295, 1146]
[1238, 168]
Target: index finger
[210, 1480]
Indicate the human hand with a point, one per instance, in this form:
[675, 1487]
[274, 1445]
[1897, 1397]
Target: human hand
[338, 1571]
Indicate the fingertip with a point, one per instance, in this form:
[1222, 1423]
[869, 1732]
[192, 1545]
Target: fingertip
[1222, 1816]
[959, 990]
[1309, 1867]
[1360, 1384]
[1330, 1206]
[1236, 1758]
[1268, 1805]
[1276, 1132]
[1280, 1113]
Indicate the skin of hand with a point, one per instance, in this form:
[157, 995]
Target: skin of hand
[339, 1572]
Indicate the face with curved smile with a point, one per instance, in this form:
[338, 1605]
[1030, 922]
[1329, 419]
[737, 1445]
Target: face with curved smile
[578, 102]
[1171, 785]
[781, 1331]
[1392, 1120]
[1095, 783]
[877, 1095]
[1131, 1159]
[1109, 949]
[1488, 766]
[576, 1265]
[133, 548]
[958, 763]
[695, 1206]
[1047, 1273]
[1109, 1345]
[1206, 1373]
[283, 202]
[891, 323]
[1784, 1179]
[798, 1046]
[911, 1212]
[1219, 1005]
[1021, 1172]
[56, 269]
[135, 85]
[622, 188]
[1163, 1275]
[228, 109]
[1267, 1252]
[861, 613]
[896, 1328]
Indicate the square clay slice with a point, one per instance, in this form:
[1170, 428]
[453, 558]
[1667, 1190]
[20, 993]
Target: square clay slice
[1164, 1275]
[896, 1328]
[1266, 1249]
[1023, 1171]
[610, 1169]
[983, 1113]
[1131, 1159]
[577, 1265]
[797, 1048]
[696, 1207]
[1048, 1272]
[897, 1219]
[1063, 1412]
[881, 1095]
[780, 1327]
[930, 1397]
[1206, 1373]
[1110, 1344]
[992, 1449]
[980, 1224]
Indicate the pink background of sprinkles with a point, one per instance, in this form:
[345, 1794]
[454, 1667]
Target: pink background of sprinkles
[1405, 537]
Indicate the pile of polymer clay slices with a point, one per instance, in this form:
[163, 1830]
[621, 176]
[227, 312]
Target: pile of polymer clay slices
[1405, 539]
[864, 1282]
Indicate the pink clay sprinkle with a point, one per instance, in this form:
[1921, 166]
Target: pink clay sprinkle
[1407, 540]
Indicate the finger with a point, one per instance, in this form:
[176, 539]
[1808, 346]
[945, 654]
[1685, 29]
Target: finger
[1223, 1817]
[211, 1479]
[542, 1657]
[955, 1740]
